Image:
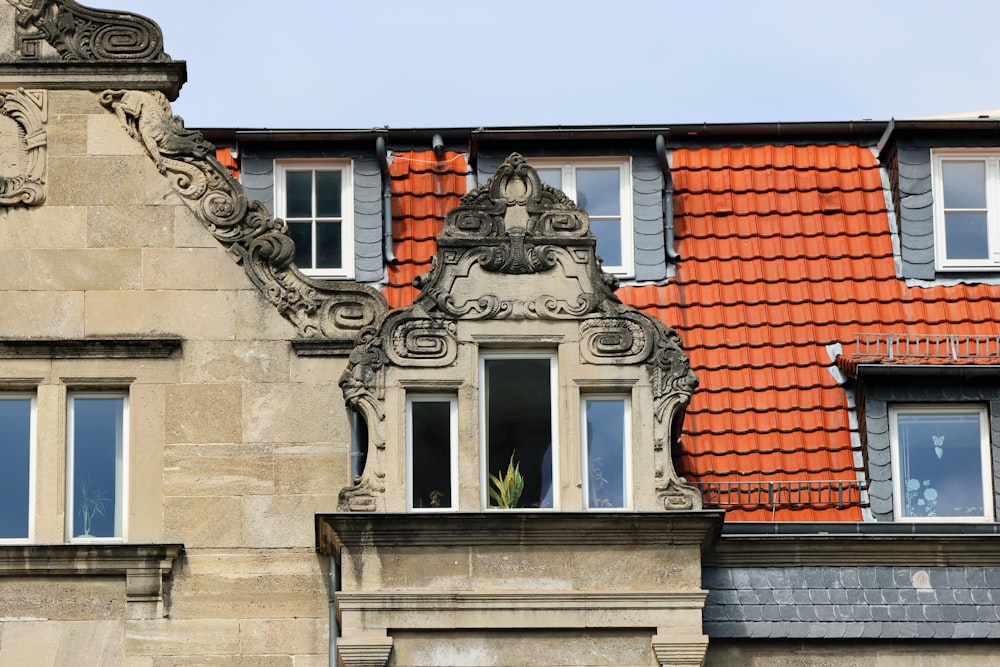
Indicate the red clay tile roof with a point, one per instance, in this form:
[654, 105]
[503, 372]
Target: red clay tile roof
[784, 250]
[225, 157]
[424, 189]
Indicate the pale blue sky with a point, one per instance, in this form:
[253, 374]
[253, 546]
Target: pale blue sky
[335, 64]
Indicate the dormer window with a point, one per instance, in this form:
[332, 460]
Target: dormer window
[966, 209]
[603, 188]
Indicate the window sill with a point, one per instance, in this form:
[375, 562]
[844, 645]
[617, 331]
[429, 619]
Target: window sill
[142, 565]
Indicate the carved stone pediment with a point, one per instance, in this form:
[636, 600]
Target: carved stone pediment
[76, 32]
[519, 254]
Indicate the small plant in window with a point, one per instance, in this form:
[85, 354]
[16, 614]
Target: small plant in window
[598, 485]
[93, 503]
[921, 498]
[507, 487]
[435, 497]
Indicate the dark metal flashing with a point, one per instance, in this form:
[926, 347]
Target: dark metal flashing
[856, 544]
[321, 347]
[139, 347]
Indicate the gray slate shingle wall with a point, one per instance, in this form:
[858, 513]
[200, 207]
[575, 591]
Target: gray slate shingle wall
[876, 602]
[257, 176]
[647, 205]
[878, 398]
[916, 203]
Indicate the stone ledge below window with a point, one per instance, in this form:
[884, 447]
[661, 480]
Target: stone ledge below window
[143, 566]
[125, 347]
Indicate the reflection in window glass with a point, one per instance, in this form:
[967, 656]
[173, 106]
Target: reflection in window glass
[430, 429]
[605, 441]
[518, 409]
[941, 463]
[97, 465]
[966, 231]
[15, 473]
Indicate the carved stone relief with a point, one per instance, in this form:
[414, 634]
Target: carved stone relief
[516, 249]
[318, 309]
[82, 33]
[23, 146]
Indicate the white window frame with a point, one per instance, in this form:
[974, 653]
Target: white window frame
[32, 463]
[122, 475]
[626, 447]
[624, 166]
[985, 450]
[991, 159]
[344, 166]
[484, 472]
[452, 401]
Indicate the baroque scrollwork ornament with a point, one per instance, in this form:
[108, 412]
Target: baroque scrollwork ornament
[82, 33]
[23, 146]
[317, 309]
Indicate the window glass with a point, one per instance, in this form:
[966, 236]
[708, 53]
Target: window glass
[551, 177]
[967, 235]
[298, 194]
[97, 468]
[964, 184]
[328, 194]
[598, 191]
[941, 463]
[301, 235]
[518, 432]
[328, 244]
[15, 473]
[605, 442]
[430, 427]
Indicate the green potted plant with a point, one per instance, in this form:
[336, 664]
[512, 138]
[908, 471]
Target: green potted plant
[507, 487]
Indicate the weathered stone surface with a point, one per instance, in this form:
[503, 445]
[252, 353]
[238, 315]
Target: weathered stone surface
[289, 635]
[62, 598]
[205, 521]
[58, 643]
[236, 361]
[122, 181]
[591, 647]
[42, 314]
[68, 135]
[300, 466]
[198, 315]
[218, 470]
[282, 520]
[269, 408]
[86, 269]
[44, 227]
[201, 413]
[183, 637]
[129, 226]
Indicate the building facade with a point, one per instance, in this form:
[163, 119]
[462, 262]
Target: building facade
[688, 395]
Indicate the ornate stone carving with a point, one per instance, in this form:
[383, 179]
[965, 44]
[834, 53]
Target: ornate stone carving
[512, 226]
[82, 33]
[318, 309]
[23, 146]
[516, 238]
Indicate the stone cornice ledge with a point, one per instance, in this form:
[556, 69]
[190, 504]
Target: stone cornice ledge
[336, 530]
[167, 76]
[87, 559]
[125, 347]
[805, 544]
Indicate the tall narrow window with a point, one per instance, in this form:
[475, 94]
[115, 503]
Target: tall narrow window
[941, 463]
[967, 209]
[603, 189]
[315, 200]
[97, 465]
[431, 435]
[519, 431]
[605, 448]
[17, 417]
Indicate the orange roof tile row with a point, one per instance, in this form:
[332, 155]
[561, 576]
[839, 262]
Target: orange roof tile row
[424, 189]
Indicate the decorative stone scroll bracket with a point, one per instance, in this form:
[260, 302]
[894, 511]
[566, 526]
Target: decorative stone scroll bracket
[82, 33]
[333, 310]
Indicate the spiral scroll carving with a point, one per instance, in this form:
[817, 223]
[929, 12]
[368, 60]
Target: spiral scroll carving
[82, 33]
